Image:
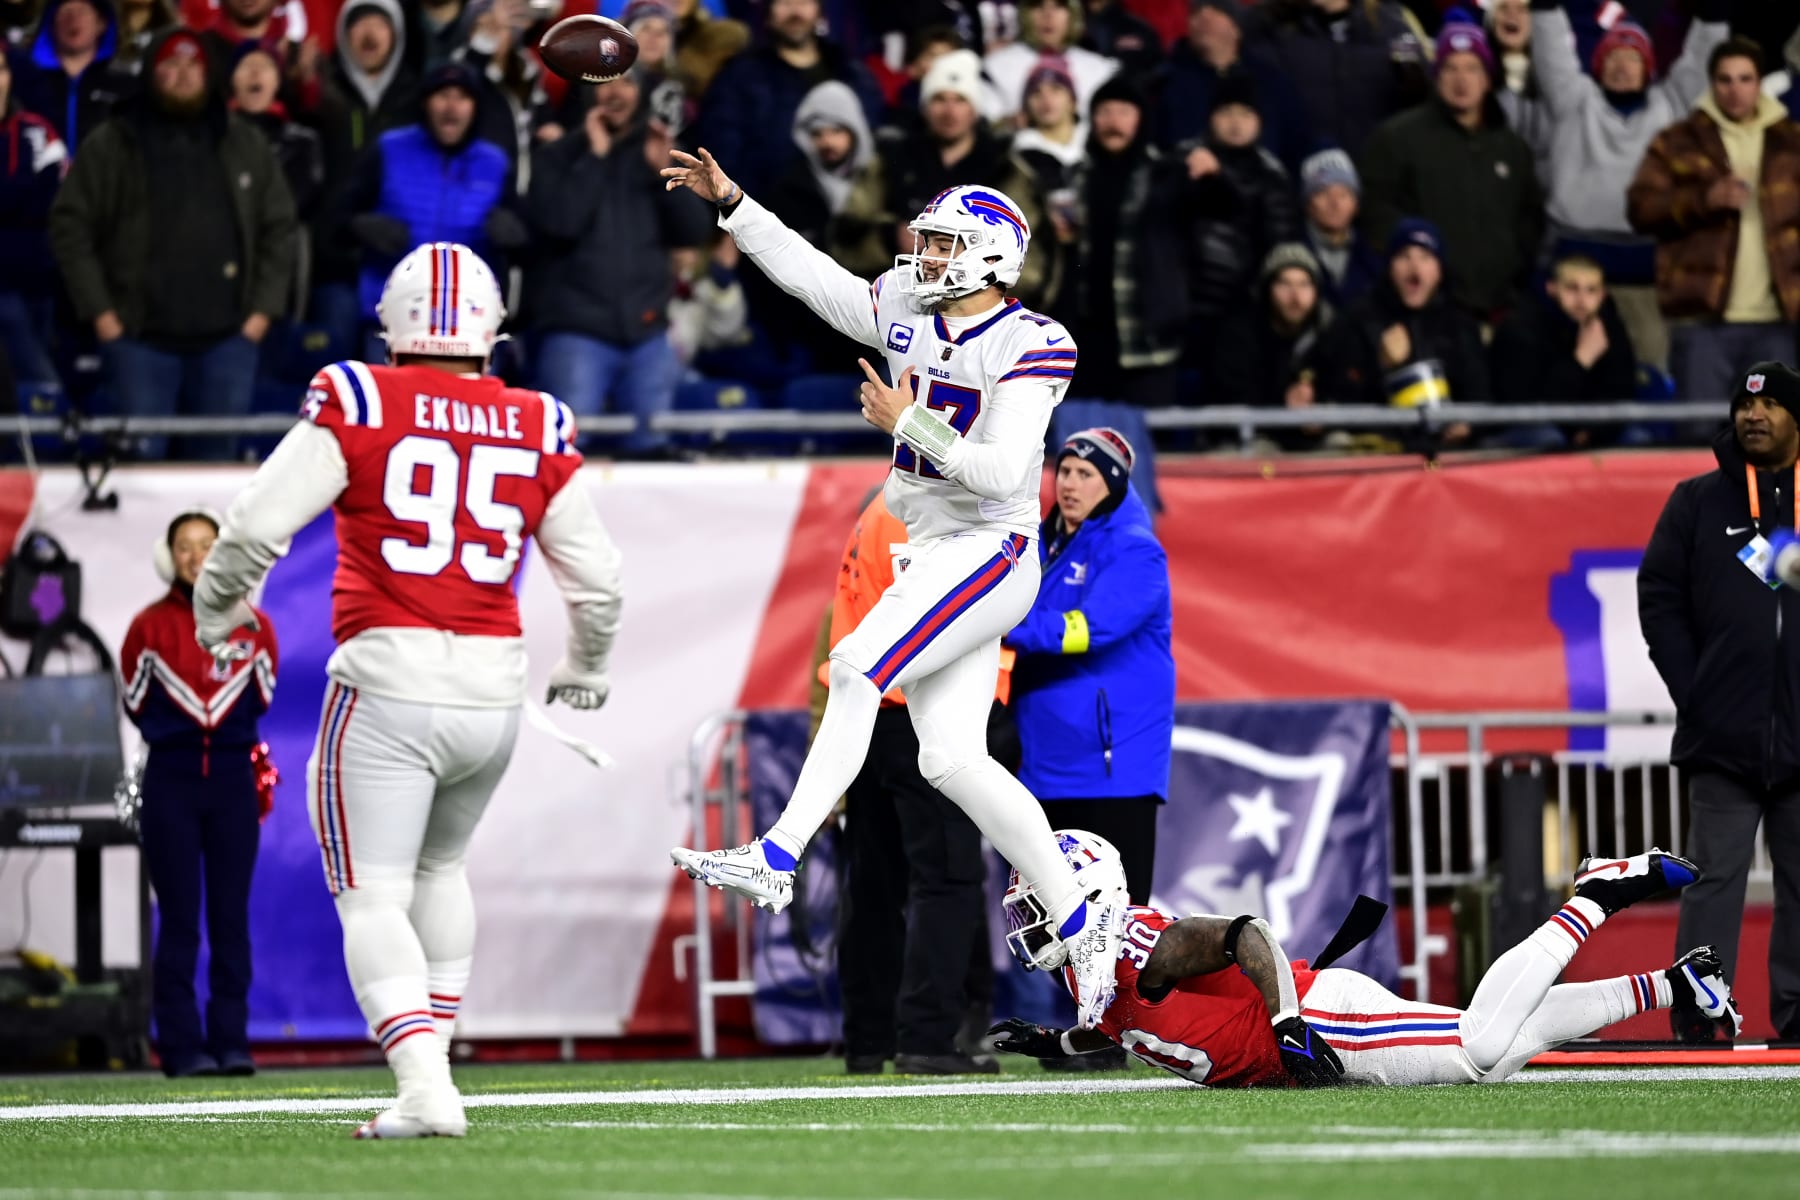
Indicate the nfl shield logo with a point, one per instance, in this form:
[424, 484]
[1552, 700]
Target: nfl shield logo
[1754, 384]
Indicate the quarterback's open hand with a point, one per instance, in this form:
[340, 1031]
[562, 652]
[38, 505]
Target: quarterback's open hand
[576, 689]
[1309, 1060]
[213, 630]
[703, 176]
[883, 406]
[1015, 1036]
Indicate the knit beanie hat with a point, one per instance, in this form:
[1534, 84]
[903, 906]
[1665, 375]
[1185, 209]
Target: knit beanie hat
[958, 71]
[1290, 254]
[1776, 381]
[1107, 451]
[183, 43]
[1325, 168]
[1235, 87]
[1626, 35]
[1050, 68]
[1415, 231]
[1460, 37]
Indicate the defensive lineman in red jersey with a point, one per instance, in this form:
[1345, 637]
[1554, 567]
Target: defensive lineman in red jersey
[1273, 1022]
[437, 474]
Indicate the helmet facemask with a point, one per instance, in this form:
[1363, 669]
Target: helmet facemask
[1029, 936]
[943, 264]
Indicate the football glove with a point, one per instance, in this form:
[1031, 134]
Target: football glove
[1309, 1060]
[1015, 1036]
[213, 630]
[577, 689]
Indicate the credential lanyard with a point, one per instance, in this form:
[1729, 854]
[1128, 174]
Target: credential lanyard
[1756, 500]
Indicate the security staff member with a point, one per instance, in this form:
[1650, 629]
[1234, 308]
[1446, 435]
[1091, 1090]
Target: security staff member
[1726, 640]
[201, 804]
[913, 952]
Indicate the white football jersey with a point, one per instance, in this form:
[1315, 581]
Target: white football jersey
[956, 365]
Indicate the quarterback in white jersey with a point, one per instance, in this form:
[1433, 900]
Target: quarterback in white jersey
[976, 377]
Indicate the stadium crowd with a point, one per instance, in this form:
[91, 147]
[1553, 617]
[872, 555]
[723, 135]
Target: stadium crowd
[1286, 203]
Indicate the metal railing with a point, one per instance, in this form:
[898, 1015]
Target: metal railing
[1247, 421]
[1607, 802]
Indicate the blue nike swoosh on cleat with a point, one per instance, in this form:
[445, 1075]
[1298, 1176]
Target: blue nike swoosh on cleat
[1711, 1000]
[1676, 875]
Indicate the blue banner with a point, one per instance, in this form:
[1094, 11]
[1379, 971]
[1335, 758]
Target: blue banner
[1279, 809]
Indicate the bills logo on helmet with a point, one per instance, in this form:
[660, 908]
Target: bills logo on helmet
[1754, 384]
[989, 208]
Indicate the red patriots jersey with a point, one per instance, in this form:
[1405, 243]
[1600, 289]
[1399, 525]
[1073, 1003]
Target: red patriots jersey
[448, 475]
[1212, 1029]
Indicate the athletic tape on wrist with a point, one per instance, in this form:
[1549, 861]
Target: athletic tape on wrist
[927, 433]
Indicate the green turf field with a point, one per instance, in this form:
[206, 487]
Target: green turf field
[799, 1128]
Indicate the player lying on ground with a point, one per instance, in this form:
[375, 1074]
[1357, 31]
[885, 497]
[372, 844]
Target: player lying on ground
[978, 375]
[1272, 1022]
[437, 473]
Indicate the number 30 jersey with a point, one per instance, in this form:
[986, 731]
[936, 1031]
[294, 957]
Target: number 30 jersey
[1212, 1029]
[447, 476]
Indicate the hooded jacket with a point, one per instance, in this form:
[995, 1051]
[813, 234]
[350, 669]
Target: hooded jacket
[1725, 643]
[75, 107]
[835, 103]
[354, 111]
[1350, 360]
[100, 224]
[1696, 245]
[1094, 682]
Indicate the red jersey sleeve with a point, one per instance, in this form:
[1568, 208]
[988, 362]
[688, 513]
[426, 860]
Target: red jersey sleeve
[343, 395]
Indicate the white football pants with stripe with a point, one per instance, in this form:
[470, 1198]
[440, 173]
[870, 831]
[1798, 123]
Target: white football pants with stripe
[935, 634]
[1515, 1014]
[394, 791]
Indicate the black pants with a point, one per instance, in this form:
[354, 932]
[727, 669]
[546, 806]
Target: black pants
[1723, 812]
[1130, 825]
[915, 929]
[199, 835]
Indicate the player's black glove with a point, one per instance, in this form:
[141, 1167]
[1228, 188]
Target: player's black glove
[1022, 1037]
[1310, 1062]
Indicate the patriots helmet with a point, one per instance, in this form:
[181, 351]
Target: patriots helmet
[441, 300]
[988, 239]
[1098, 869]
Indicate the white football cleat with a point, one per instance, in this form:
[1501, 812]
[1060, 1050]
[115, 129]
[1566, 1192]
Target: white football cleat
[742, 869]
[393, 1124]
[1698, 982]
[1093, 960]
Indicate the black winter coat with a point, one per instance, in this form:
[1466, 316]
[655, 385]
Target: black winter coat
[1344, 67]
[1230, 252]
[1726, 644]
[1352, 368]
[1534, 359]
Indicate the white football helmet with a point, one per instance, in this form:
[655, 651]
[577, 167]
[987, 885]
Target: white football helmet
[1098, 868]
[990, 237]
[441, 300]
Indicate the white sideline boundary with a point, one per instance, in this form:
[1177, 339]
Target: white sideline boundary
[652, 1097]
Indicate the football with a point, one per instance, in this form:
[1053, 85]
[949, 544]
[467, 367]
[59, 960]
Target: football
[588, 49]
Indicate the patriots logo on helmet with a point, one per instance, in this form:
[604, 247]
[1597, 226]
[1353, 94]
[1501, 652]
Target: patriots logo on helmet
[1754, 384]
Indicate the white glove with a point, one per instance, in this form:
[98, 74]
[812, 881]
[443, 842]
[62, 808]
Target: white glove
[577, 689]
[213, 630]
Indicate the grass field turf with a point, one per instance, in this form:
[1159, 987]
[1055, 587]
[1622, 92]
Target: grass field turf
[671, 1130]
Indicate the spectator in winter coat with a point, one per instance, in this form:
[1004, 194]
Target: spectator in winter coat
[1405, 343]
[435, 181]
[1134, 284]
[1717, 192]
[1331, 192]
[202, 803]
[1715, 633]
[832, 197]
[1053, 142]
[1509, 32]
[1048, 29]
[66, 75]
[139, 23]
[511, 101]
[1269, 352]
[256, 97]
[1212, 53]
[1601, 124]
[1569, 348]
[704, 43]
[175, 236]
[1266, 212]
[433, 33]
[1112, 30]
[1094, 682]
[748, 118]
[1354, 63]
[32, 162]
[1453, 161]
[598, 296]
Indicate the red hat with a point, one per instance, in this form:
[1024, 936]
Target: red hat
[1626, 35]
[183, 43]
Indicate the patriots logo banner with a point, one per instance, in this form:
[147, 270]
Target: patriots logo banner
[1281, 810]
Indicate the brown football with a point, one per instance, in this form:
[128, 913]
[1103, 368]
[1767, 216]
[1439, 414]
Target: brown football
[588, 49]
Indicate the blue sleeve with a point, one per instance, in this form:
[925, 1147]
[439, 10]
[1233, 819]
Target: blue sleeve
[1127, 592]
[1041, 632]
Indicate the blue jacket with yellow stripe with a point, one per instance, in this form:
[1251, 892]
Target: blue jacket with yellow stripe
[1094, 685]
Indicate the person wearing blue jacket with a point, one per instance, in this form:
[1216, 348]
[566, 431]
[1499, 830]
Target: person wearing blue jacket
[1094, 684]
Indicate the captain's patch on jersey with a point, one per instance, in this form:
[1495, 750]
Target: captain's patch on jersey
[899, 337]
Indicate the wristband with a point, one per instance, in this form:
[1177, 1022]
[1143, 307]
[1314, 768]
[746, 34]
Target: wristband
[731, 200]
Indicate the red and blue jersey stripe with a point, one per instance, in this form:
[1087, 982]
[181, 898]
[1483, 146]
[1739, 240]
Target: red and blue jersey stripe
[1381, 1031]
[334, 827]
[960, 600]
[1043, 364]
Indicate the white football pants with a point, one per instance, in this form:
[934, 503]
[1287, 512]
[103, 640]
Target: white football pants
[935, 634]
[394, 791]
